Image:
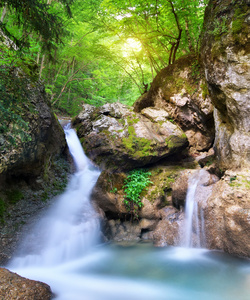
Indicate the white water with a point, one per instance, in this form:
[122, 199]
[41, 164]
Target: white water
[62, 251]
[71, 227]
[194, 231]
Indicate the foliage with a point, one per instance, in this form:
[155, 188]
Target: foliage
[136, 181]
[40, 17]
[13, 95]
[112, 49]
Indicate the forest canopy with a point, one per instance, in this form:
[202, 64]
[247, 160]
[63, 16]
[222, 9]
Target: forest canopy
[98, 51]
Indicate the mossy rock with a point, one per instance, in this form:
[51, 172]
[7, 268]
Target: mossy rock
[124, 145]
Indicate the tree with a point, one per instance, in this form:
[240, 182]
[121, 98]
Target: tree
[38, 17]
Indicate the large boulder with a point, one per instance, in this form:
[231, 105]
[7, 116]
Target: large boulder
[181, 90]
[227, 214]
[117, 138]
[225, 50]
[16, 287]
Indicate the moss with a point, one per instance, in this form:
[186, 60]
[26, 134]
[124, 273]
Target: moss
[2, 208]
[136, 146]
[173, 142]
[14, 196]
[236, 26]
[205, 91]
[162, 183]
[132, 121]
[44, 196]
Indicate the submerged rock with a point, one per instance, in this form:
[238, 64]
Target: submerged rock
[225, 50]
[180, 91]
[16, 287]
[117, 138]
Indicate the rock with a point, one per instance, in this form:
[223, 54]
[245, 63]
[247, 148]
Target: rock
[180, 186]
[16, 287]
[181, 92]
[44, 135]
[167, 232]
[179, 189]
[108, 196]
[126, 231]
[117, 138]
[225, 52]
[227, 214]
[33, 158]
[155, 114]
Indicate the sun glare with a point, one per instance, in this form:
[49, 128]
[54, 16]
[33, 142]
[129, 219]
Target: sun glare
[130, 46]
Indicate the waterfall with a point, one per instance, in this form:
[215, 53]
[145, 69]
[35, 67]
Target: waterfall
[194, 230]
[70, 227]
[62, 251]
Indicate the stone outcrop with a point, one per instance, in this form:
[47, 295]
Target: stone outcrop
[225, 54]
[227, 214]
[117, 138]
[16, 287]
[180, 89]
[42, 138]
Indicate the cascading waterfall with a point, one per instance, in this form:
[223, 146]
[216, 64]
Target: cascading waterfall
[62, 251]
[71, 226]
[194, 231]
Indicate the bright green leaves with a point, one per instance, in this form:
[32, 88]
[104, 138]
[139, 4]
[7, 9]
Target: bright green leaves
[136, 181]
[42, 18]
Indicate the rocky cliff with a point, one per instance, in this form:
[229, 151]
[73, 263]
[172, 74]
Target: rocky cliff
[181, 90]
[225, 54]
[32, 164]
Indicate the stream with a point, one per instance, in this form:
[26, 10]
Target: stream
[64, 251]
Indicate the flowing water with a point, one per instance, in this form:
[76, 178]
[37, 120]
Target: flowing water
[194, 231]
[63, 251]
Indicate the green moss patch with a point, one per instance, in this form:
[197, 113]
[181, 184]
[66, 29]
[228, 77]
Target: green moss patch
[14, 196]
[136, 146]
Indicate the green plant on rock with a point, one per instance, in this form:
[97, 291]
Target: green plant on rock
[220, 27]
[14, 196]
[136, 181]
